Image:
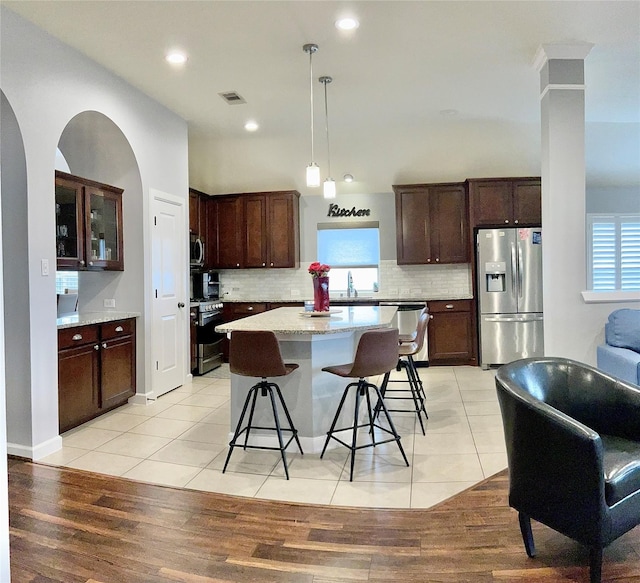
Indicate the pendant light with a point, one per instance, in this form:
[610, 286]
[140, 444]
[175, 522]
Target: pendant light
[329, 186]
[313, 170]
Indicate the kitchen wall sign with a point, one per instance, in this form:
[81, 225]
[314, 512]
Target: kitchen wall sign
[336, 211]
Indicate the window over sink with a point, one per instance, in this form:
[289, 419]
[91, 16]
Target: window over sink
[350, 247]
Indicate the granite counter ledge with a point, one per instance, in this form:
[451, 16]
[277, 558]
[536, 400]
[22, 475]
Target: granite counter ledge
[88, 318]
[285, 321]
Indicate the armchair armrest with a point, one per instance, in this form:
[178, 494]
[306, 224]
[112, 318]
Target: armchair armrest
[622, 363]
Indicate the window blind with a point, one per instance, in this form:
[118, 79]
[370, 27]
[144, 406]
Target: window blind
[614, 252]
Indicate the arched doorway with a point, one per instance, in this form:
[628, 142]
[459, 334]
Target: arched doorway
[14, 344]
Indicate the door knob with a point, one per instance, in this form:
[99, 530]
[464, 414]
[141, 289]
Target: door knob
[181, 304]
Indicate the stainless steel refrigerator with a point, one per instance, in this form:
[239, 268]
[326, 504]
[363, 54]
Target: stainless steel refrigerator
[509, 272]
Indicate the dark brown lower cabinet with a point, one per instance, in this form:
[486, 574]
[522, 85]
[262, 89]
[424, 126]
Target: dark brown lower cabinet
[96, 370]
[450, 332]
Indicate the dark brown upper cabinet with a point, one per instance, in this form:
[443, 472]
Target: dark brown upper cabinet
[197, 212]
[258, 229]
[495, 202]
[431, 224]
[88, 224]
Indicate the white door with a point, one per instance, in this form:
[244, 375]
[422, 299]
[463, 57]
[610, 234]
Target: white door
[169, 294]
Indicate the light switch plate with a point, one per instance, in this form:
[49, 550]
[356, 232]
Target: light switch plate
[110, 303]
[44, 267]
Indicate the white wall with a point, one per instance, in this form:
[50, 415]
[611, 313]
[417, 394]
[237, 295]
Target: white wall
[11, 166]
[47, 83]
[613, 199]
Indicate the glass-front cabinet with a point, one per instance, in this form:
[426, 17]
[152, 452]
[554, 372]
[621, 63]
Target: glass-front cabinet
[88, 224]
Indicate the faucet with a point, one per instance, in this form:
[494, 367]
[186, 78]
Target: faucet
[350, 289]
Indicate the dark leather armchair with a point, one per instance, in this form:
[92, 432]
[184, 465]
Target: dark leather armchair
[573, 447]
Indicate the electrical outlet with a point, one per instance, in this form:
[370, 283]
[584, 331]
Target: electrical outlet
[44, 267]
[110, 303]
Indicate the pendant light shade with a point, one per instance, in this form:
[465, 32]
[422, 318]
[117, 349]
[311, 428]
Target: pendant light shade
[313, 175]
[313, 171]
[329, 187]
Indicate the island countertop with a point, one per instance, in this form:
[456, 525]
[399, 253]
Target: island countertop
[296, 321]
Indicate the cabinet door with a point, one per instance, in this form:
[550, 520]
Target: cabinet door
[449, 227]
[117, 371]
[104, 229]
[527, 202]
[255, 232]
[228, 232]
[283, 230]
[69, 225]
[194, 212]
[491, 202]
[413, 241]
[450, 332]
[78, 382]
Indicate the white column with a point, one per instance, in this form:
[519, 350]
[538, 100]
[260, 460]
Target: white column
[566, 317]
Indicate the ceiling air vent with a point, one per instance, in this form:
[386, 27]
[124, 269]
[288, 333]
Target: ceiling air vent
[231, 97]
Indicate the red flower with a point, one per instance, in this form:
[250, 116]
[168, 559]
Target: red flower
[317, 269]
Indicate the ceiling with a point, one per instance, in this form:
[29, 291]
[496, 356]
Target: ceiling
[422, 91]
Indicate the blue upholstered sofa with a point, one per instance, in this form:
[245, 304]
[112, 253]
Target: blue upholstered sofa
[620, 355]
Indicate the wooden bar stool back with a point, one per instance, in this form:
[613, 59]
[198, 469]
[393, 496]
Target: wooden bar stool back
[415, 392]
[257, 354]
[377, 353]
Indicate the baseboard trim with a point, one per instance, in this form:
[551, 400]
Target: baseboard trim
[37, 452]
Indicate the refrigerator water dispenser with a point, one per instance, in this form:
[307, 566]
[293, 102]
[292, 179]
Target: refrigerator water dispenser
[495, 275]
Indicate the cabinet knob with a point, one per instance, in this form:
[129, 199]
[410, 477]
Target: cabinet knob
[119, 328]
[104, 345]
[506, 221]
[96, 347]
[437, 259]
[90, 262]
[429, 260]
[271, 264]
[264, 264]
[81, 262]
[237, 265]
[250, 309]
[449, 306]
[430, 316]
[516, 221]
[181, 304]
[76, 337]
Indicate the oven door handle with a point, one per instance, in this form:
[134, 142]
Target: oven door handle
[204, 319]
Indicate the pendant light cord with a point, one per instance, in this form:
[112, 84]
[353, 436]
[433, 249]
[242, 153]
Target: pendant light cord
[325, 81]
[311, 51]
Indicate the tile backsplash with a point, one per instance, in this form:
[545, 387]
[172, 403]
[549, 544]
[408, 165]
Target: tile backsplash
[396, 281]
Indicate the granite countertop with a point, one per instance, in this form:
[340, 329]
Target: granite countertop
[339, 300]
[295, 321]
[87, 318]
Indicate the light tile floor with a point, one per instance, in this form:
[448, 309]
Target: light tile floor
[181, 440]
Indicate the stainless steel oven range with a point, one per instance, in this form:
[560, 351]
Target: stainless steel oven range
[206, 353]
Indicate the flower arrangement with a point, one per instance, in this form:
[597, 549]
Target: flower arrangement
[317, 269]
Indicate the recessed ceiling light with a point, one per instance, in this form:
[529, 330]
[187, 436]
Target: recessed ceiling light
[251, 126]
[176, 58]
[347, 23]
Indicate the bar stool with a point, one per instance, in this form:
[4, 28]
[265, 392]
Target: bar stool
[406, 350]
[377, 353]
[257, 354]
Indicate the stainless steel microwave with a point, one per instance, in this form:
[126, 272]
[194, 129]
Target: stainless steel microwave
[197, 251]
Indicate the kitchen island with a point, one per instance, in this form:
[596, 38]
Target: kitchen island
[313, 342]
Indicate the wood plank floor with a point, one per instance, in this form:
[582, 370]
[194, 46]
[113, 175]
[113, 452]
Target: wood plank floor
[73, 526]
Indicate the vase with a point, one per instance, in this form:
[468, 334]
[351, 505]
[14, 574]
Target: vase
[321, 294]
